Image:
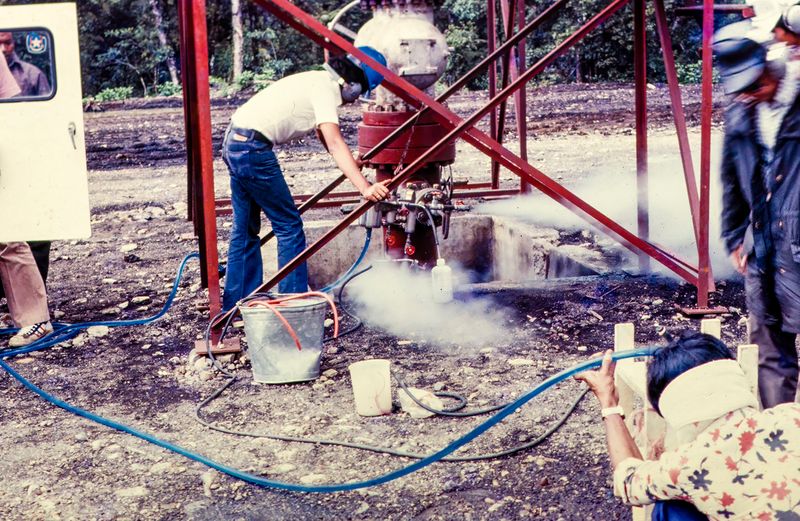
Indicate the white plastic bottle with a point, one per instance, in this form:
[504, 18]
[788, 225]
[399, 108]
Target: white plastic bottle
[442, 277]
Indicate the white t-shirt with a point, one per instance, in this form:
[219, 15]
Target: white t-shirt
[291, 107]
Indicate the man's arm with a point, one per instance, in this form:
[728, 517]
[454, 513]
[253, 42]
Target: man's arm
[735, 209]
[620, 443]
[332, 139]
[636, 481]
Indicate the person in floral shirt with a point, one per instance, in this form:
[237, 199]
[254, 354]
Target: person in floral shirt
[742, 463]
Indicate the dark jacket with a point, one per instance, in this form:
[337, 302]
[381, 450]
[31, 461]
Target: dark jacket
[760, 201]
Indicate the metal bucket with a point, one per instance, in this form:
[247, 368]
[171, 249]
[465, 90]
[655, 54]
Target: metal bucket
[273, 353]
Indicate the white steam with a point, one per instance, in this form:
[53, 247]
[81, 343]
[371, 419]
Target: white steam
[400, 301]
[614, 194]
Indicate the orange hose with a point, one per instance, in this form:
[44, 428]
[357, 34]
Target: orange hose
[273, 304]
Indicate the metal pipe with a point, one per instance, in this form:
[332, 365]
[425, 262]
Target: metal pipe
[677, 113]
[705, 157]
[508, 12]
[640, 87]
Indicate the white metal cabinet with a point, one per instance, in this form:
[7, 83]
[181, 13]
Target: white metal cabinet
[43, 178]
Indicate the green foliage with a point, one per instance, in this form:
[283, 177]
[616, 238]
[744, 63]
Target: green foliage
[168, 89]
[114, 94]
[469, 50]
[120, 44]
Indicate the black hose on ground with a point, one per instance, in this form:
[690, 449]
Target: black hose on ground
[373, 448]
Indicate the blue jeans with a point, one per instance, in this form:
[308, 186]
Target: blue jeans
[257, 184]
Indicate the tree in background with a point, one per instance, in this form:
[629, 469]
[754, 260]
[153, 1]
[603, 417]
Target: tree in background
[127, 43]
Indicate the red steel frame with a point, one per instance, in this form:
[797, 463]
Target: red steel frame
[198, 132]
[200, 155]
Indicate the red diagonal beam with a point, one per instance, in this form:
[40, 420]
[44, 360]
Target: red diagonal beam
[677, 113]
[306, 24]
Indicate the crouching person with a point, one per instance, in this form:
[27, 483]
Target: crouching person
[740, 463]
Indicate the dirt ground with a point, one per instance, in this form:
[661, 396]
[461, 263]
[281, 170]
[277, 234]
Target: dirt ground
[58, 466]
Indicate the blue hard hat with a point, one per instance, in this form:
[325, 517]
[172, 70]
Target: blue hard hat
[374, 78]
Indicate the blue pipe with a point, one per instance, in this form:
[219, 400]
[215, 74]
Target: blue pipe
[338, 487]
[64, 332]
[355, 265]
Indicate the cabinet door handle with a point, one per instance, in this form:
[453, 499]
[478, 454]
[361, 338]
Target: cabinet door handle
[73, 131]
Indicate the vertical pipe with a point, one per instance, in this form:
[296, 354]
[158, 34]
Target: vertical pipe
[508, 12]
[183, 31]
[492, 41]
[640, 73]
[200, 146]
[678, 114]
[520, 102]
[703, 273]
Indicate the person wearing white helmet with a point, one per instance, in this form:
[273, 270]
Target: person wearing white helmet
[760, 175]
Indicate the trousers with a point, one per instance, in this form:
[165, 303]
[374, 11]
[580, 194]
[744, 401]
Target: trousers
[774, 308]
[257, 184]
[25, 291]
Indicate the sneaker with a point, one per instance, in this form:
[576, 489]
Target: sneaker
[30, 334]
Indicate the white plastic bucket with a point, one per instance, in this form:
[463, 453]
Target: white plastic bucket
[273, 353]
[372, 387]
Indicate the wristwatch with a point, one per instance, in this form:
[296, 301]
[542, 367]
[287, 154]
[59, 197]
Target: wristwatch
[608, 411]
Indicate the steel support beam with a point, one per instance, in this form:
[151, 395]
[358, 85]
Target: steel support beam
[491, 38]
[640, 101]
[704, 270]
[197, 114]
[521, 101]
[677, 113]
[508, 15]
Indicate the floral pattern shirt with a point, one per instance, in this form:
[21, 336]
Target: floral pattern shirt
[745, 465]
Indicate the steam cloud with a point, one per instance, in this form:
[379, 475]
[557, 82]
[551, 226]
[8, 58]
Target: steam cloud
[399, 300]
[614, 194]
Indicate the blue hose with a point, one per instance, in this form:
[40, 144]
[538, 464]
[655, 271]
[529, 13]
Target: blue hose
[355, 265]
[64, 332]
[339, 487]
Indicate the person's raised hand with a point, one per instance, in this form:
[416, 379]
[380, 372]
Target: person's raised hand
[376, 192]
[601, 382]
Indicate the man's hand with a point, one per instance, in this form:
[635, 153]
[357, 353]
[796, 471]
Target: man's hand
[601, 382]
[739, 260]
[376, 192]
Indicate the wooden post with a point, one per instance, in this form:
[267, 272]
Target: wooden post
[747, 356]
[711, 326]
[623, 340]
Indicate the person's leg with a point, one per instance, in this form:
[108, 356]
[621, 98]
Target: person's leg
[41, 252]
[272, 194]
[784, 360]
[244, 271]
[25, 292]
[776, 384]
